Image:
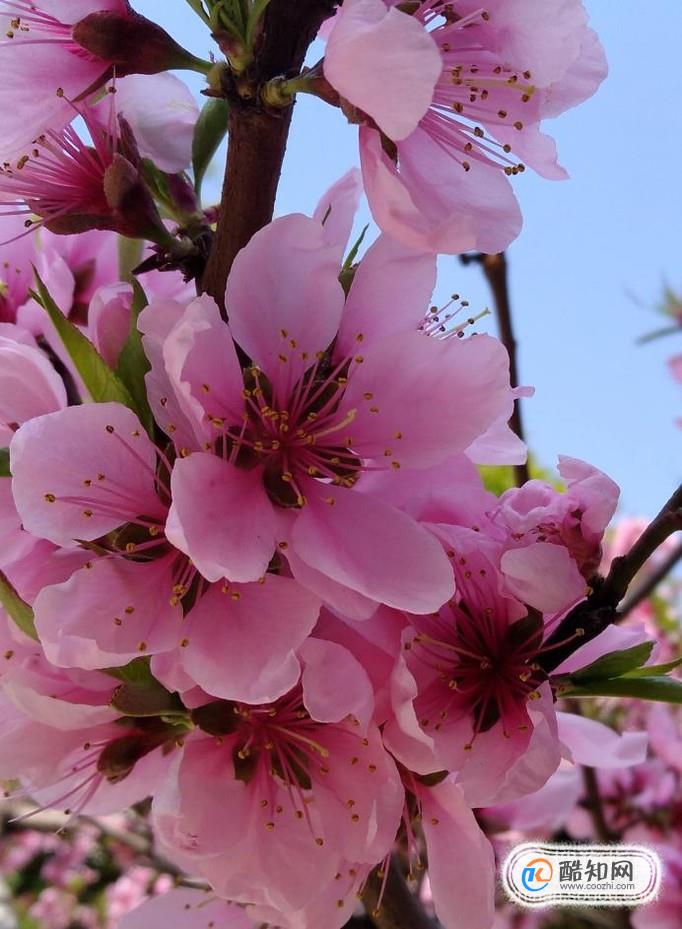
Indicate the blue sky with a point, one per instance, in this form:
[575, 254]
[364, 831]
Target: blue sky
[590, 263]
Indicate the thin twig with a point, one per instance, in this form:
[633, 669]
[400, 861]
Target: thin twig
[599, 610]
[496, 273]
[651, 583]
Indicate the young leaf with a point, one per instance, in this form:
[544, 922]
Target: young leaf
[661, 688]
[209, 132]
[655, 670]
[614, 664]
[18, 611]
[98, 377]
[4, 463]
[132, 362]
[257, 10]
[137, 671]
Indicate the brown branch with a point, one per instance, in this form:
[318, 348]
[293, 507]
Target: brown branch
[399, 907]
[594, 805]
[599, 610]
[258, 135]
[625, 567]
[496, 273]
[651, 583]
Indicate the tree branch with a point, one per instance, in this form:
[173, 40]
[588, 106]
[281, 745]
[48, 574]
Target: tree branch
[399, 907]
[599, 610]
[496, 273]
[258, 135]
[651, 583]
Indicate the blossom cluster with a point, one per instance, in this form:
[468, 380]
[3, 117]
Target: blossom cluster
[249, 566]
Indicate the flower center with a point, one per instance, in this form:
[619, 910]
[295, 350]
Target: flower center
[304, 437]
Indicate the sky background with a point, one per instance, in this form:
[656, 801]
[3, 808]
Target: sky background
[590, 265]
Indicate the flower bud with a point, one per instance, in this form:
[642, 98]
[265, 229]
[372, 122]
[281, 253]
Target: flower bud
[131, 43]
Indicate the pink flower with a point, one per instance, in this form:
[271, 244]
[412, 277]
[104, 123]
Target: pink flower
[40, 56]
[69, 748]
[255, 784]
[279, 453]
[468, 694]
[60, 50]
[436, 143]
[74, 186]
[110, 487]
[575, 520]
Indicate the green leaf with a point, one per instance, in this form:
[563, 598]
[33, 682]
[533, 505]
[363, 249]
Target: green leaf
[4, 463]
[18, 611]
[655, 670]
[98, 377]
[661, 688]
[137, 671]
[133, 363]
[129, 256]
[146, 699]
[353, 253]
[209, 132]
[614, 664]
[257, 10]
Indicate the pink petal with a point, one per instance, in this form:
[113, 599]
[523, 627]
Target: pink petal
[239, 641]
[29, 385]
[335, 684]
[106, 615]
[221, 518]
[155, 322]
[591, 743]
[543, 575]
[185, 908]
[202, 366]
[580, 81]
[373, 549]
[284, 299]
[500, 770]
[597, 494]
[390, 293]
[432, 204]
[461, 860]
[383, 62]
[344, 601]
[16, 543]
[162, 113]
[109, 320]
[612, 639]
[447, 394]
[55, 455]
[337, 208]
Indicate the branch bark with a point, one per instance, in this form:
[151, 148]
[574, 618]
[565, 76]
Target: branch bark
[599, 610]
[258, 136]
[496, 273]
[651, 583]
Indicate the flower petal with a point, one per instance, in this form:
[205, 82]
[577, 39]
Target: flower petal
[390, 293]
[82, 472]
[108, 614]
[383, 62]
[283, 297]
[239, 641]
[374, 549]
